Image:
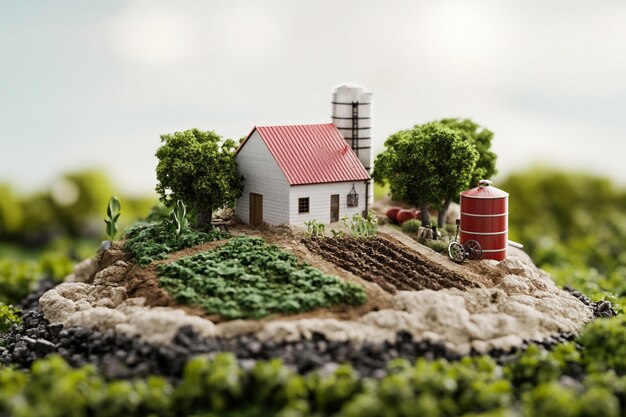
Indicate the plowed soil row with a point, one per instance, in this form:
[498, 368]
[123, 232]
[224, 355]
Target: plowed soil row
[392, 267]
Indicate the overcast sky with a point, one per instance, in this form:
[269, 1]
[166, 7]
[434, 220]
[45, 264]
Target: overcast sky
[94, 84]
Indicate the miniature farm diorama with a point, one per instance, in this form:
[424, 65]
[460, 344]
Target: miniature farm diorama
[274, 247]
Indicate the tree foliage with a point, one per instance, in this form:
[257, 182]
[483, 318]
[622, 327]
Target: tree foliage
[199, 169]
[427, 165]
[481, 138]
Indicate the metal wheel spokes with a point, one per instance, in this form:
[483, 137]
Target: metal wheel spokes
[456, 252]
[473, 250]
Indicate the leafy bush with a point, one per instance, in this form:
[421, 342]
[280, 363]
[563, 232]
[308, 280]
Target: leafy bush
[437, 245]
[17, 278]
[247, 278]
[8, 316]
[150, 241]
[411, 226]
[604, 343]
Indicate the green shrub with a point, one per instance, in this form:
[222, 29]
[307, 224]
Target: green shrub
[437, 245]
[20, 277]
[150, 241]
[8, 316]
[247, 278]
[537, 365]
[17, 279]
[411, 226]
[550, 400]
[604, 343]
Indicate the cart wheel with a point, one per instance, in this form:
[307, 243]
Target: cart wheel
[473, 249]
[456, 252]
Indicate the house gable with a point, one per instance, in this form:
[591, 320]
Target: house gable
[262, 176]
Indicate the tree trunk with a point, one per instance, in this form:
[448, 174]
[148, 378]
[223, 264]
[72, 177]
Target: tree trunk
[441, 217]
[425, 215]
[203, 217]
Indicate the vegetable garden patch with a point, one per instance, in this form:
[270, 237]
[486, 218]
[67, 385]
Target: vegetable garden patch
[248, 278]
[150, 241]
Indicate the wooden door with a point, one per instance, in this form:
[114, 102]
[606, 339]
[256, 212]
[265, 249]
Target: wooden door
[256, 209]
[334, 208]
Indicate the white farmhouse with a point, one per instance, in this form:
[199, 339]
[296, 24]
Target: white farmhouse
[297, 173]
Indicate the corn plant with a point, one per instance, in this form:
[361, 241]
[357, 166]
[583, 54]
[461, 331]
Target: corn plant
[113, 213]
[314, 228]
[179, 217]
[361, 227]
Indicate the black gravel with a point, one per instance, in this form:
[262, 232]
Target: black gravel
[31, 301]
[121, 356]
[600, 309]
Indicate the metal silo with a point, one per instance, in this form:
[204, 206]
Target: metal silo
[484, 217]
[352, 114]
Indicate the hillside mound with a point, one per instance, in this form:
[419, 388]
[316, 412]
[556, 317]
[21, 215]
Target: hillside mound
[479, 306]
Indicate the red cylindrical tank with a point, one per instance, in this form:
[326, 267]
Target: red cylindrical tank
[485, 218]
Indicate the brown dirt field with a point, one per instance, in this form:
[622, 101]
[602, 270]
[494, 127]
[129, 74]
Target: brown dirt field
[480, 272]
[391, 266]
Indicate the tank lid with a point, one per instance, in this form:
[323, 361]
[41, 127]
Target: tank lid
[485, 190]
[346, 87]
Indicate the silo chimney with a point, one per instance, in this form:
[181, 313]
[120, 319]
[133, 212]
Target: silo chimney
[352, 114]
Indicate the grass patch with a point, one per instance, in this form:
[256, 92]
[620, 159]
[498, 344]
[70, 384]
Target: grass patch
[248, 278]
[150, 241]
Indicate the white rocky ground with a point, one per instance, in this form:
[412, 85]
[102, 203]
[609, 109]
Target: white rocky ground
[525, 305]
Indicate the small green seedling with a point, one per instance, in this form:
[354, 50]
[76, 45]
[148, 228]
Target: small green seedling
[113, 213]
[362, 227]
[179, 217]
[315, 229]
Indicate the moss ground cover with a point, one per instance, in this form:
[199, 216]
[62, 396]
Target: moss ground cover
[476, 387]
[248, 278]
[150, 241]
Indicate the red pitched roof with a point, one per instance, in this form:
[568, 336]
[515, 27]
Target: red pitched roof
[311, 154]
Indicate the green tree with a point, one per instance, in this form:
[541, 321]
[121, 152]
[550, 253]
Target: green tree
[199, 169]
[481, 138]
[427, 165]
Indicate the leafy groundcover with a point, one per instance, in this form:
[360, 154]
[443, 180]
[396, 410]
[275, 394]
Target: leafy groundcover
[150, 241]
[248, 278]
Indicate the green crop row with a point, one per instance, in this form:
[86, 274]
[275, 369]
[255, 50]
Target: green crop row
[150, 241]
[245, 277]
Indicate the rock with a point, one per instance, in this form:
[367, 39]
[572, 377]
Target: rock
[83, 271]
[515, 266]
[99, 317]
[43, 347]
[513, 284]
[56, 307]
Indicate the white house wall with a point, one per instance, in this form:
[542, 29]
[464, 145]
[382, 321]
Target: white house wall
[262, 176]
[319, 201]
